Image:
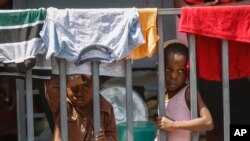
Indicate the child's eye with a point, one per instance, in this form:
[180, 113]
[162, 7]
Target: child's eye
[167, 70]
[87, 86]
[182, 70]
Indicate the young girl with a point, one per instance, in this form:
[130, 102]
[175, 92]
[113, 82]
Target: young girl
[178, 123]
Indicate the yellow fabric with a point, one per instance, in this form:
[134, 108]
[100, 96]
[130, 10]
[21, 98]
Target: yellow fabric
[148, 21]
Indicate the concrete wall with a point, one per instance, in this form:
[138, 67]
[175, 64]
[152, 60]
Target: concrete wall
[169, 22]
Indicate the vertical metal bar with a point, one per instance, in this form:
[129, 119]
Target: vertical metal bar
[193, 81]
[161, 78]
[129, 101]
[63, 100]
[29, 105]
[21, 115]
[225, 84]
[96, 97]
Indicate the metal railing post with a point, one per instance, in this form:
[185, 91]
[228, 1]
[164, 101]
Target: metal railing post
[21, 115]
[29, 105]
[96, 97]
[193, 82]
[129, 101]
[63, 100]
[161, 78]
[225, 85]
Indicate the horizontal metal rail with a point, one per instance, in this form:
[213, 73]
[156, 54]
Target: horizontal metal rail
[169, 11]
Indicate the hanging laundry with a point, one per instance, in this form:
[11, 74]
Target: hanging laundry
[148, 21]
[80, 35]
[20, 41]
[83, 35]
[229, 23]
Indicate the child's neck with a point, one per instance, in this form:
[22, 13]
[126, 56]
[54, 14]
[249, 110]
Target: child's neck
[170, 94]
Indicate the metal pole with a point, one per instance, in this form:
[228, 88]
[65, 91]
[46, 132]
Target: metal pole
[193, 82]
[225, 84]
[63, 100]
[96, 99]
[29, 105]
[21, 115]
[161, 78]
[129, 101]
[169, 11]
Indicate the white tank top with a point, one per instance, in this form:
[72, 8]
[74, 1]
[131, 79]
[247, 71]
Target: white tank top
[177, 109]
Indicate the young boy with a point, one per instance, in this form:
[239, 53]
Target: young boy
[178, 123]
[80, 110]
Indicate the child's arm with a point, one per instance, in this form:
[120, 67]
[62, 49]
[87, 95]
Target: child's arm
[111, 130]
[109, 133]
[202, 123]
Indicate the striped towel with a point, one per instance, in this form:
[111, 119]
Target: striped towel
[20, 42]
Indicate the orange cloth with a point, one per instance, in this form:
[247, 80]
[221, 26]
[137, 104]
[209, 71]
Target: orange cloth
[148, 21]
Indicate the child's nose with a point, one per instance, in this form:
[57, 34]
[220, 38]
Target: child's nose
[173, 75]
[79, 93]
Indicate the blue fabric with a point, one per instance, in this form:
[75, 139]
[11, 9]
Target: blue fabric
[67, 32]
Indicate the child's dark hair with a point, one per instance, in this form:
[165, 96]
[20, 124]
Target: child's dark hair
[176, 47]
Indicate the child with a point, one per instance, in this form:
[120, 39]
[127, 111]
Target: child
[211, 90]
[80, 110]
[178, 123]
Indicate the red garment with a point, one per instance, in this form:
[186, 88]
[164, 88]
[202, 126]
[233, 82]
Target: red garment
[227, 22]
[230, 23]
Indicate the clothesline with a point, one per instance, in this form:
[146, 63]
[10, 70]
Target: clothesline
[25, 58]
[104, 35]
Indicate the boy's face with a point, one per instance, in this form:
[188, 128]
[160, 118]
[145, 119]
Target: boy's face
[175, 72]
[81, 94]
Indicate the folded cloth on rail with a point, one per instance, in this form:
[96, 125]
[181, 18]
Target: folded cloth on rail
[83, 35]
[20, 42]
[227, 22]
[211, 25]
[148, 21]
[19, 36]
[115, 31]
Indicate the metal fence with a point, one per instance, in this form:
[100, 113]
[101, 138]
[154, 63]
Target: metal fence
[22, 127]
